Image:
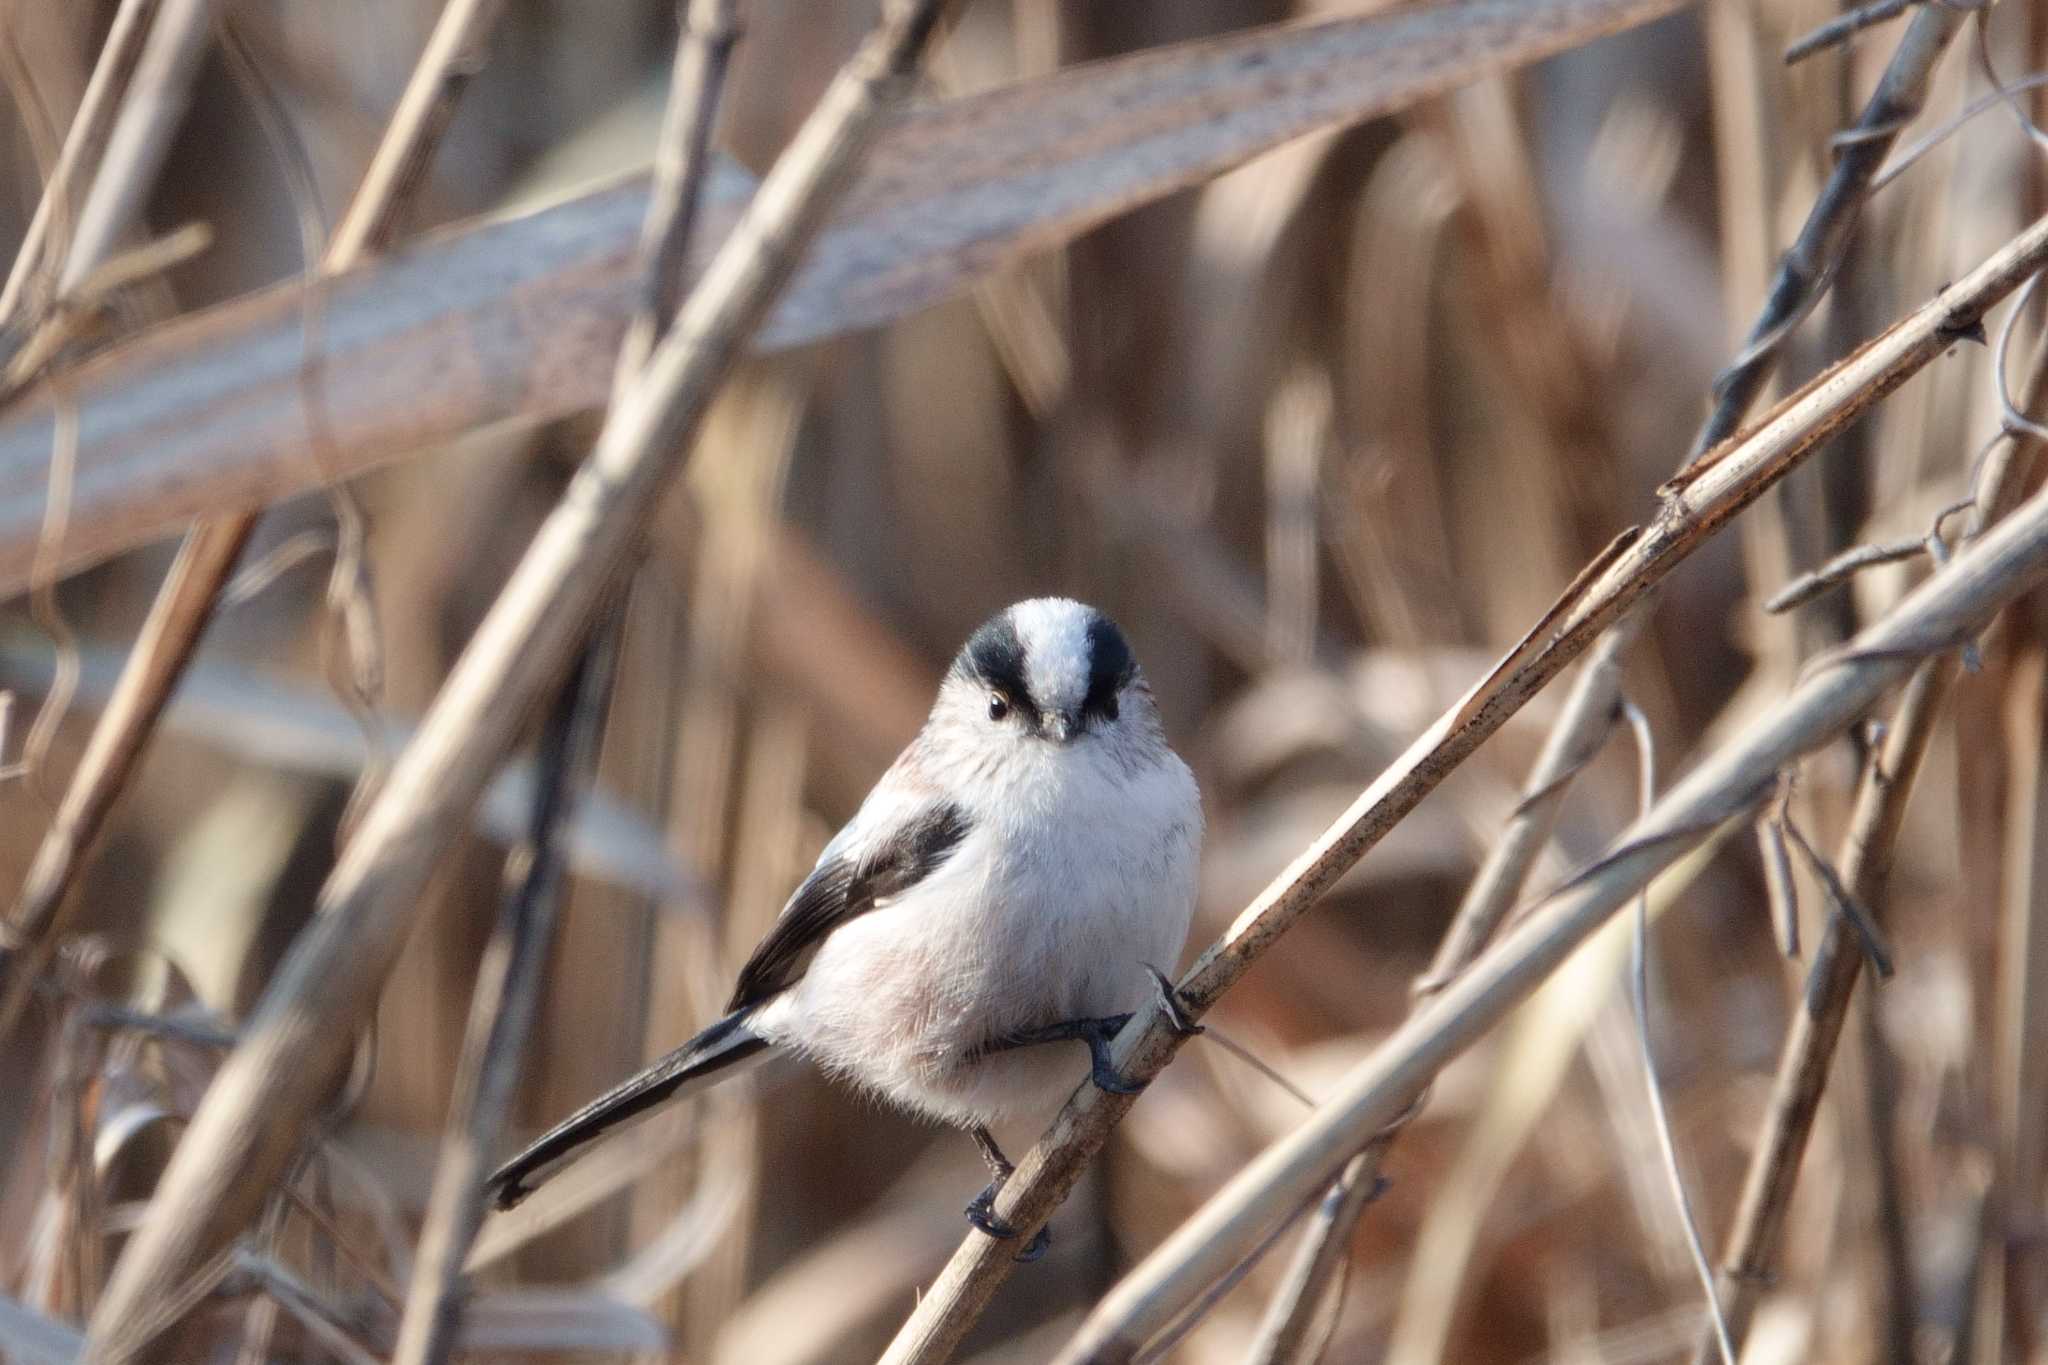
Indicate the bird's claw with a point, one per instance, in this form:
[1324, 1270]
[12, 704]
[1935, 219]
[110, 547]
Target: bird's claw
[1170, 1005]
[981, 1212]
[1100, 1070]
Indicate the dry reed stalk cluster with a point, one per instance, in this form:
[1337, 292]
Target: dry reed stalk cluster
[1344, 355]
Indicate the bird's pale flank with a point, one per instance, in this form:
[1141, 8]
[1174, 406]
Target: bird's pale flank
[1016, 877]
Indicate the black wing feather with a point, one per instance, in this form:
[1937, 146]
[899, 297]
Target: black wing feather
[840, 889]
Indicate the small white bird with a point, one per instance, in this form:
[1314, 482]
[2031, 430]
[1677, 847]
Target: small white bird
[1018, 876]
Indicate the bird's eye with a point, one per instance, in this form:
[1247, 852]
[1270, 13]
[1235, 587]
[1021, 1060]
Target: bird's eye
[998, 706]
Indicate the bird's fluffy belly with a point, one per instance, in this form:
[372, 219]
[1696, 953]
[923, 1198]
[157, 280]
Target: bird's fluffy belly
[1011, 935]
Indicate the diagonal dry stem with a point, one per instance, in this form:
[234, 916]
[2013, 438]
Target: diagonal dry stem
[254, 1116]
[1741, 470]
[190, 592]
[151, 109]
[1589, 709]
[500, 1014]
[1935, 618]
[1863, 863]
[83, 143]
[508, 986]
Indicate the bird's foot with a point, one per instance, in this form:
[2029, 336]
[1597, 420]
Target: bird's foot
[1096, 1033]
[981, 1212]
[1177, 1018]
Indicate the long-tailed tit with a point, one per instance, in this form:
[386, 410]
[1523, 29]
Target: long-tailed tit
[1016, 877]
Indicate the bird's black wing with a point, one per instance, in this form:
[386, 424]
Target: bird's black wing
[843, 886]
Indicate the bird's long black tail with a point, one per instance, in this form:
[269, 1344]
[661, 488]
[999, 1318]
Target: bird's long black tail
[712, 1056]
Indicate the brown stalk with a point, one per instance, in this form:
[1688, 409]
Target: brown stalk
[190, 592]
[253, 1118]
[83, 142]
[1801, 275]
[1589, 708]
[507, 992]
[1935, 618]
[521, 318]
[1863, 863]
[1740, 472]
[1322, 1253]
[151, 109]
[501, 1012]
[137, 138]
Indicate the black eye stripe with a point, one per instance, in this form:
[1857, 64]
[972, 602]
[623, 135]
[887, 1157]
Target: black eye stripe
[1110, 666]
[994, 657]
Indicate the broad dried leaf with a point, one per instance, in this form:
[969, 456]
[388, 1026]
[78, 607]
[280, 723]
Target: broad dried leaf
[518, 319]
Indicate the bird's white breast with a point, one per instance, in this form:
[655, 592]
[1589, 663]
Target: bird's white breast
[1064, 889]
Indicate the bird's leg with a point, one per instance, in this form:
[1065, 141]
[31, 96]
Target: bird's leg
[1094, 1032]
[1098, 1032]
[981, 1211]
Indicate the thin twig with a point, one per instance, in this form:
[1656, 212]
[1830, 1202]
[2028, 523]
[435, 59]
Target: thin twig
[1864, 861]
[1845, 903]
[1779, 889]
[1639, 1001]
[507, 990]
[1896, 102]
[191, 590]
[1844, 27]
[1746, 467]
[84, 141]
[1840, 570]
[254, 1115]
[500, 1015]
[1321, 1257]
[2009, 560]
[151, 110]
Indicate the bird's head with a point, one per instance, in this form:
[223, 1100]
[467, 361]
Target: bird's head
[1051, 672]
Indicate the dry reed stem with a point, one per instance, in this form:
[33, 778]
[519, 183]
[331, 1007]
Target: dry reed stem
[1572, 742]
[1806, 266]
[208, 413]
[151, 109]
[500, 1016]
[1589, 708]
[1587, 715]
[506, 996]
[254, 1116]
[1715, 489]
[1936, 617]
[84, 140]
[191, 590]
[1324, 1253]
[1863, 863]
[1802, 274]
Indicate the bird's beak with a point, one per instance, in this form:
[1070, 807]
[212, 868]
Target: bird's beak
[1062, 727]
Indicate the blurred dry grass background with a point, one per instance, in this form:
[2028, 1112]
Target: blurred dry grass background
[1326, 435]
